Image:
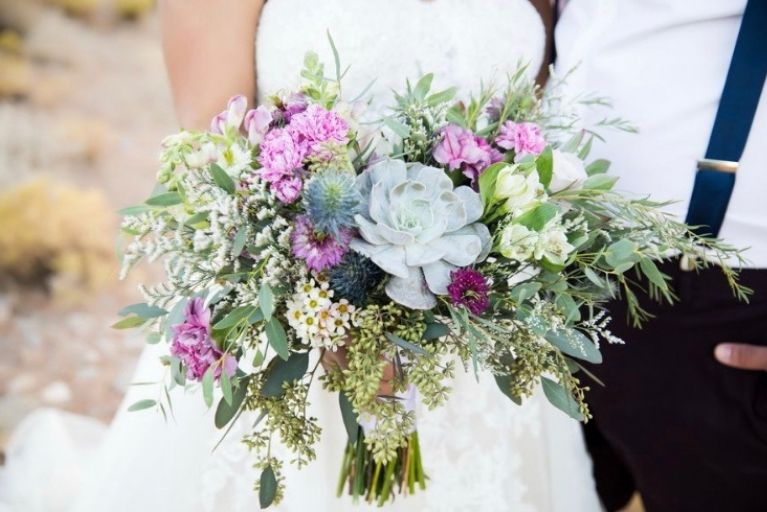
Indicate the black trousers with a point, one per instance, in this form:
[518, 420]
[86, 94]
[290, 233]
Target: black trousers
[673, 423]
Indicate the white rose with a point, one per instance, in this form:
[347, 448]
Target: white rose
[552, 244]
[517, 242]
[568, 171]
[521, 192]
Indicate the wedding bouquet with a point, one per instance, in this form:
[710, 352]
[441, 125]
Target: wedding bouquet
[446, 233]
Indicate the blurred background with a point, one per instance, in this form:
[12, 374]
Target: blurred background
[83, 106]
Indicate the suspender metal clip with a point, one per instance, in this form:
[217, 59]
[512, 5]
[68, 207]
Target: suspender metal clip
[709, 164]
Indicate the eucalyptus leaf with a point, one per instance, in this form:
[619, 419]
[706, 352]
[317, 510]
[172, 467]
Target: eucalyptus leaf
[239, 241]
[435, 330]
[600, 166]
[651, 271]
[600, 182]
[620, 252]
[266, 301]
[129, 322]
[267, 487]
[558, 396]
[142, 310]
[574, 343]
[226, 387]
[234, 317]
[277, 337]
[165, 199]
[225, 411]
[504, 384]
[348, 416]
[280, 371]
[397, 127]
[207, 386]
[142, 404]
[175, 316]
[221, 178]
[404, 344]
[130, 211]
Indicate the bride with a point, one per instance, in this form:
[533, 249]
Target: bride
[481, 451]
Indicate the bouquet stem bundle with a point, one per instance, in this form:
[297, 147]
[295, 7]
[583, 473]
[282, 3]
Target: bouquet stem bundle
[376, 481]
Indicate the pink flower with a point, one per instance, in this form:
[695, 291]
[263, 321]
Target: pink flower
[469, 288]
[280, 155]
[257, 122]
[523, 138]
[460, 148]
[193, 345]
[316, 125]
[320, 251]
[288, 190]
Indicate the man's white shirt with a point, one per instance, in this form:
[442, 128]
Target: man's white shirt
[663, 63]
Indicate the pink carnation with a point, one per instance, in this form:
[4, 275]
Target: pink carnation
[287, 190]
[460, 148]
[193, 345]
[280, 155]
[316, 125]
[523, 138]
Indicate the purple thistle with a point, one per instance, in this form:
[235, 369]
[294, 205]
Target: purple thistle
[319, 250]
[193, 345]
[469, 288]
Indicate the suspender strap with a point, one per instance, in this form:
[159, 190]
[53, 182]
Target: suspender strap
[715, 178]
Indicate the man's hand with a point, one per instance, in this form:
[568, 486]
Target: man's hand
[740, 355]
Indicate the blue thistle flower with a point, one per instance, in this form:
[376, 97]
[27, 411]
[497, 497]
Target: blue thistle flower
[354, 278]
[331, 200]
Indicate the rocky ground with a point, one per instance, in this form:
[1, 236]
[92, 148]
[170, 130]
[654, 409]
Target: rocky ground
[83, 102]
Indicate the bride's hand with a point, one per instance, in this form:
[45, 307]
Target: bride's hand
[339, 359]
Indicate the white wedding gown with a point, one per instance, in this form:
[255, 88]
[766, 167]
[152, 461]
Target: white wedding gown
[481, 452]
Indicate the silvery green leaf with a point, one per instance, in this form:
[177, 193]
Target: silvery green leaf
[267, 487]
[226, 387]
[142, 310]
[207, 386]
[422, 86]
[165, 199]
[600, 182]
[142, 404]
[348, 416]
[266, 301]
[574, 343]
[504, 384]
[600, 166]
[560, 398]
[225, 411]
[544, 164]
[129, 322]
[239, 241]
[404, 344]
[221, 178]
[435, 330]
[284, 370]
[277, 337]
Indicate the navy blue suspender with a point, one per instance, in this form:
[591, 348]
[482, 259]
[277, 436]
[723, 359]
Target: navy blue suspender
[715, 178]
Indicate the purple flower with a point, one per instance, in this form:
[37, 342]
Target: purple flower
[469, 288]
[523, 138]
[319, 250]
[280, 155]
[231, 117]
[287, 190]
[294, 104]
[316, 125]
[257, 122]
[460, 148]
[193, 345]
[494, 108]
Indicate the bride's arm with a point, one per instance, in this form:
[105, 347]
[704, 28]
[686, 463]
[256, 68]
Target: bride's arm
[209, 50]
